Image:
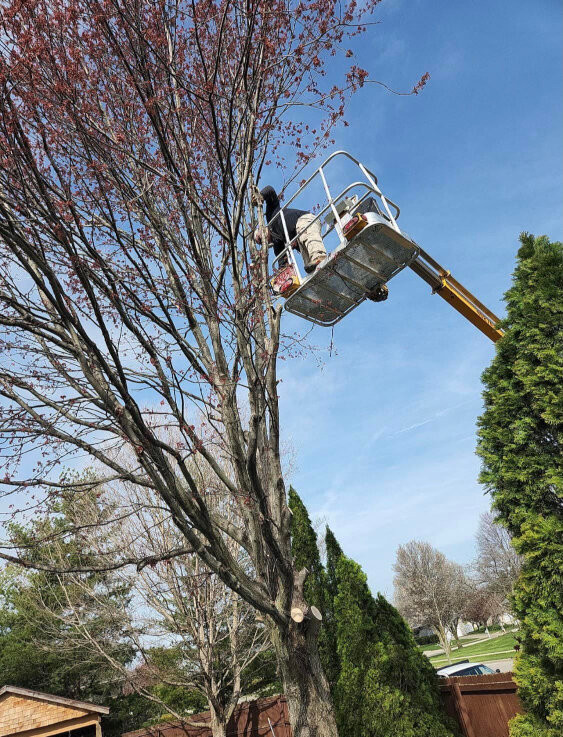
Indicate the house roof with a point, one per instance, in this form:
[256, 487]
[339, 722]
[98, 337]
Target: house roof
[50, 698]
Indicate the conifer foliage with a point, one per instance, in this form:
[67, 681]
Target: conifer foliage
[38, 648]
[381, 684]
[386, 687]
[333, 555]
[521, 447]
[306, 552]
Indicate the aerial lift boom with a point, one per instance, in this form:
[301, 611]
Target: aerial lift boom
[461, 299]
[371, 250]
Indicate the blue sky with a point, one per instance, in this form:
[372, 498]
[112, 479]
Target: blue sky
[384, 430]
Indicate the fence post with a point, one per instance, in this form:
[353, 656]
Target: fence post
[462, 711]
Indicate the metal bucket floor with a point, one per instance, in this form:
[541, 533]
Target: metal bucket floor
[352, 271]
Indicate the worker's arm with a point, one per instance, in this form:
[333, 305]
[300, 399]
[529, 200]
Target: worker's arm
[258, 235]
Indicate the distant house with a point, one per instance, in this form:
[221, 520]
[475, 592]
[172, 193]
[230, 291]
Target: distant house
[419, 632]
[507, 618]
[464, 628]
[31, 713]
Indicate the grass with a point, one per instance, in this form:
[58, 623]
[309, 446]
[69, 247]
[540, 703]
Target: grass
[495, 649]
[437, 646]
[425, 648]
[492, 628]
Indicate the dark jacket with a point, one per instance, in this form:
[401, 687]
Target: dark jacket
[291, 215]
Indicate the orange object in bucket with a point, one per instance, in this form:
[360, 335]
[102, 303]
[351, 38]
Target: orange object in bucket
[285, 281]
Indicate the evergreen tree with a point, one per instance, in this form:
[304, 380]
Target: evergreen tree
[306, 554]
[332, 660]
[386, 686]
[305, 551]
[37, 650]
[382, 685]
[333, 555]
[521, 447]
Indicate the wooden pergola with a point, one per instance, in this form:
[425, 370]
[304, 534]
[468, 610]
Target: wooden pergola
[29, 713]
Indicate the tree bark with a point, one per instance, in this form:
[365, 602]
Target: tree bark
[218, 724]
[304, 682]
[444, 642]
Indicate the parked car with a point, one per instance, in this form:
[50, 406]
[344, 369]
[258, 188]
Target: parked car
[465, 668]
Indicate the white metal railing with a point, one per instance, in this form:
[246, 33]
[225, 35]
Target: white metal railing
[369, 185]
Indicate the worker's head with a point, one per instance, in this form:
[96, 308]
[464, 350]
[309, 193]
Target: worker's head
[270, 197]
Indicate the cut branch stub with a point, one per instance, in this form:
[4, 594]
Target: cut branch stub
[315, 613]
[298, 614]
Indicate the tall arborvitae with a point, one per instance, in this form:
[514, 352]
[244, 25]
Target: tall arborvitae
[386, 686]
[306, 555]
[305, 551]
[333, 555]
[332, 661]
[521, 446]
[381, 683]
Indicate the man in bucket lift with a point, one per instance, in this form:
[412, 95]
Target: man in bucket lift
[299, 223]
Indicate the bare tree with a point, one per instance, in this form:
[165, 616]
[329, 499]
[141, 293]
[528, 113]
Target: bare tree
[498, 564]
[211, 635]
[429, 589]
[131, 134]
[476, 608]
[460, 589]
[481, 605]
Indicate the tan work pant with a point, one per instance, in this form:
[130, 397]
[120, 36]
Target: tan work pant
[309, 239]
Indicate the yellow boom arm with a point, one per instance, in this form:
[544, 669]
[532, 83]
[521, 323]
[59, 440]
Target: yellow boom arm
[443, 283]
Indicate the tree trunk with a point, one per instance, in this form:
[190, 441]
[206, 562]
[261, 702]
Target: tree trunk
[444, 642]
[305, 685]
[218, 724]
[304, 682]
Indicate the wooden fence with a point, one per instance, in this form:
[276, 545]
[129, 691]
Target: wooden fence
[261, 718]
[482, 705]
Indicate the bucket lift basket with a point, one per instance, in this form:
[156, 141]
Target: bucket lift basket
[371, 250]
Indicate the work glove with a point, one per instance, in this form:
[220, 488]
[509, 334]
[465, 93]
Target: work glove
[256, 197]
[258, 235]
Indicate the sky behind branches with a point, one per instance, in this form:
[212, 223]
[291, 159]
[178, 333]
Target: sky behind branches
[384, 432]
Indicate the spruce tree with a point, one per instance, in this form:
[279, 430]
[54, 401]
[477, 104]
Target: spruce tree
[521, 447]
[37, 648]
[386, 687]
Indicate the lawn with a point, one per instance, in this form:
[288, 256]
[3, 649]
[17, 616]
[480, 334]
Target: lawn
[426, 648]
[496, 648]
[437, 646]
